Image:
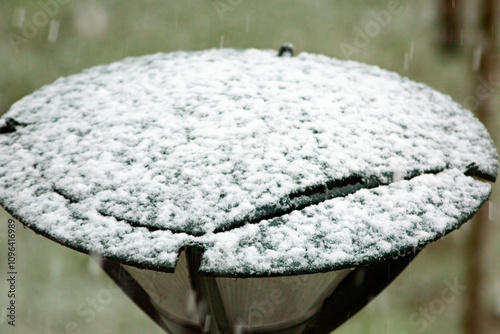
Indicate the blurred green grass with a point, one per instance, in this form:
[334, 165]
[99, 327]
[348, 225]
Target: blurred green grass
[55, 282]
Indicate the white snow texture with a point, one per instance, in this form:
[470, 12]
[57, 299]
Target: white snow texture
[135, 159]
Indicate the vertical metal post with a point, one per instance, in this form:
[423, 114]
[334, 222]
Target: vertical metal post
[210, 308]
[355, 291]
[134, 291]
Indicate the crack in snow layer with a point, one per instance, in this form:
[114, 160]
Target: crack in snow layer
[299, 200]
[296, 201]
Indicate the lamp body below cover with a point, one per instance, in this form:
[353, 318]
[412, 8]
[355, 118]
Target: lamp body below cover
[261, 304]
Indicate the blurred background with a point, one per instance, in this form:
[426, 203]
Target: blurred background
[453, 286]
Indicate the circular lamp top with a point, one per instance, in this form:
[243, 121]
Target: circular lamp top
[273, 165]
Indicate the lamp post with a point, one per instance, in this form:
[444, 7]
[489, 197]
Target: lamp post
[238, 191]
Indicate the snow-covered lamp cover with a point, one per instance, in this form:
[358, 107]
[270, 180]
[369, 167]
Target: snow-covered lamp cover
[264, 182]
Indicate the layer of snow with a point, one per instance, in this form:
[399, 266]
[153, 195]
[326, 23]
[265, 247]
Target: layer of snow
[193, 142]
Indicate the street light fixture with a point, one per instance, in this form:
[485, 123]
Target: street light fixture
[242, 191]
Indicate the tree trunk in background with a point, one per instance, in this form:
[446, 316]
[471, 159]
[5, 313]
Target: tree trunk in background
[451, 24]
[475, 316]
